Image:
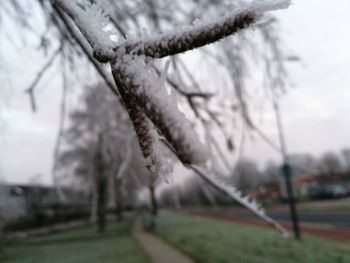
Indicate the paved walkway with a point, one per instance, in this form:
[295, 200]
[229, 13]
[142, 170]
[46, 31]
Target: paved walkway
[157, 250]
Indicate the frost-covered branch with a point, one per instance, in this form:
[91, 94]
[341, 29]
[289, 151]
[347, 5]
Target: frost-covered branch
[191, 38]
[152, 110]
[31, 89]
[90, 22]
[216, 179]
[143, 129]
[196, 36]
[237, 195]
[91, 19]
[86, 50]
[143, 89]
[126, 160]
[138, 86]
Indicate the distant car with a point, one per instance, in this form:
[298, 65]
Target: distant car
[326, 191]
[336, 191]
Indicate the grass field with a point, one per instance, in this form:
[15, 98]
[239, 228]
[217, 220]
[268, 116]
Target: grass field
[219, 242]
[78, 246]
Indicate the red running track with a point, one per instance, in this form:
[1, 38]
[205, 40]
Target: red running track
[326, 232]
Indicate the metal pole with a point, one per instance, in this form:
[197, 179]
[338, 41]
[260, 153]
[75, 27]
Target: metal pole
[287, 172]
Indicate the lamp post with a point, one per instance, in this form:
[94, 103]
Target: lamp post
[287, 171]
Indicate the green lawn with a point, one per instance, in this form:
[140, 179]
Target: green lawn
[81, 245]
[218, 242]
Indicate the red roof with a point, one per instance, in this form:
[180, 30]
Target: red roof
[322, 178]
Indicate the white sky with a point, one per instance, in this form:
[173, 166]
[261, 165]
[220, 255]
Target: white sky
[316, 112]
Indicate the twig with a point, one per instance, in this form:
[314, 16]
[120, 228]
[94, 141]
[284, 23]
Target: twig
[230, 192]
[234, 194]
[175, 43]
[39, 75]
[87, 52]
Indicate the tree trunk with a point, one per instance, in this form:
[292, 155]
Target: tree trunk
[118, 199]
[101, 188]
[154, 204]
[101, 202]
[93, 206]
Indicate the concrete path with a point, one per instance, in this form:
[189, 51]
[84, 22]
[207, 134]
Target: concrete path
[157, 250]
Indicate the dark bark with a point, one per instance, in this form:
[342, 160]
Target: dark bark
[119, 205]
[87, 53]
[101, 187]
[174, 43]
[168, 44]
[138, 118]
[144, 104]
[154, 203]
[101, 203]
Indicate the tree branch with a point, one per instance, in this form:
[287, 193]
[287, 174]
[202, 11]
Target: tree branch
[171, 43]
[195, 37]
[236, 195]
[87, 52]
[39, 75]
[87, 24]
[159, 107]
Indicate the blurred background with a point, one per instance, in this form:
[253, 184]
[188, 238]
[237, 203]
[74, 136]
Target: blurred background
[284, 80]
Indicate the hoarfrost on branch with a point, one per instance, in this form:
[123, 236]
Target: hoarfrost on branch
[150, 108]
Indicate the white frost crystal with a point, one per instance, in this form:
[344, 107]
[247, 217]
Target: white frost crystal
[147, 90]
[160, 103]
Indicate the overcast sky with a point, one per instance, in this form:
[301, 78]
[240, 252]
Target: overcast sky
[316, 112]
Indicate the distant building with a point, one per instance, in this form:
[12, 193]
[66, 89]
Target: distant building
[17, 200]
[323, 185]
[12, 203]
[267, 191]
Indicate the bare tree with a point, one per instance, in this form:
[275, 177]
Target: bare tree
[303, 164]
[100, 175]
[246, 176]
[271, 172]
[139, 82]
[98, 147]
[330, 163]
[346, 159]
